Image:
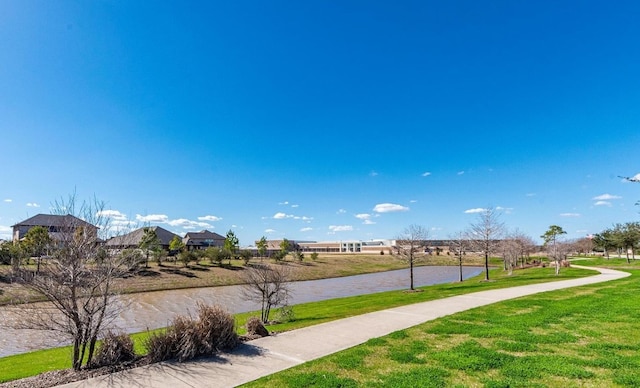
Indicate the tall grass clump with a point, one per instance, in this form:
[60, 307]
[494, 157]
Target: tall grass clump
[114, 349]
[186, 338]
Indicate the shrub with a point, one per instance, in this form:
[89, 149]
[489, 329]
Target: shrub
[187, 257]
[186, 338]
[255, 327]
[286, 314]
[160, 346]
[217, 328]
[314, 256]
[114, 349]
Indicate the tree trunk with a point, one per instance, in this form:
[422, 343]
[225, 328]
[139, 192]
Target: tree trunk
[411, 272]
[486, 266]
[460, 262]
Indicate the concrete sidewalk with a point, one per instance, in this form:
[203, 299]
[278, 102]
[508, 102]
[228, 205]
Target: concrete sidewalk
[269, 355]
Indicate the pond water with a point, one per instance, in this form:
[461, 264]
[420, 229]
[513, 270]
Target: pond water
[156, 309]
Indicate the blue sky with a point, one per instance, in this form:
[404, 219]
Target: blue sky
[322, 120]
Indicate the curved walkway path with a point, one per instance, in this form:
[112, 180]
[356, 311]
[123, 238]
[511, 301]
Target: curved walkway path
[268, 355]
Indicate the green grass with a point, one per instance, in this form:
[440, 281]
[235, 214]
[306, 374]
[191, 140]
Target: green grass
[30, 364]
[583, 336]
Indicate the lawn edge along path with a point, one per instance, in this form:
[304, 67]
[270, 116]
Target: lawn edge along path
[269, 355]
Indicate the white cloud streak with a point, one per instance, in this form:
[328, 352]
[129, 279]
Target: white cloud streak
[389, 208]
[32, 204]
[160, 218]
[606, 197]
[340, 228]
[569, 214]
[476, 210]
[209, 218]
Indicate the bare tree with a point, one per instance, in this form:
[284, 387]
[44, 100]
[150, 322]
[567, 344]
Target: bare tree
[555, 250]
[485, 235]
[77, 279]
[410, 247]
[511, 249]
[267, 285]
[459, 245]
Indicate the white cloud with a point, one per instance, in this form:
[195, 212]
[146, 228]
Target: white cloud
[341, 211]
[606, 197]
[269, 231]
[283, 203]
[476, 210]
[373, 173]
[188, 224]
[389, 207]
[296, 205]
[281, 216]
[209, 218]
[569, 214]
[426, 173]
[8, 200]
[366, 218]
[635, 178]
[305, 218]
[307, 229]
[413, 201]
[113, 214]
[340, 228]
[159, 218]
[460, 172]
[602, 203]
[530, 194]
[32, 204]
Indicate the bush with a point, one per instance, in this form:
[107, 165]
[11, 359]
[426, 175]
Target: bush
[255, 327]
[160, 346]
[217, 328]
[186, 338]
[114, 349]
[314, 256]
[187, 257]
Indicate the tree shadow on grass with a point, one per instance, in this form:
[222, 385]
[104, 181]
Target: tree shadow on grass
[199, 268]
[176, 271]
[231, 267]
[148, 273]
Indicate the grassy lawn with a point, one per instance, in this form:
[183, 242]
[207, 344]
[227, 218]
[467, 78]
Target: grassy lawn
[307, 314]
[579, 337]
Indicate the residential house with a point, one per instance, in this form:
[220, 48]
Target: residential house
[202, 240]
[58, 226]
[132, 240]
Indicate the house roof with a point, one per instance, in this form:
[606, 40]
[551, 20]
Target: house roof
[134, 238]
[53, 220]
[197, 238]
[205, 234]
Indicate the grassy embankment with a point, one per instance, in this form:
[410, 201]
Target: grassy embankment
[307, 314]
[578, 337]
